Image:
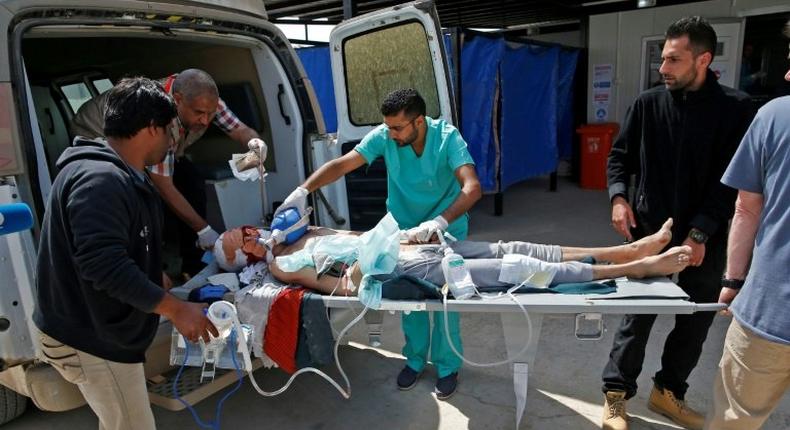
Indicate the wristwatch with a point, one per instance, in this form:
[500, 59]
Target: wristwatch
[698, 236]
[735, 284]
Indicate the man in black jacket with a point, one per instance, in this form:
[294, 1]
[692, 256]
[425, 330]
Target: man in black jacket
[677, 140]
[99, 268]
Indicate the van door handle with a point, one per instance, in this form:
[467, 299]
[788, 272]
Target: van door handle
[280, 94]
[51, 121]
[339, 220]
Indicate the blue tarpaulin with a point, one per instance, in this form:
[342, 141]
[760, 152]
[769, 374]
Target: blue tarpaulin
[319, 69]
[534, 126]
[529, 113]
[535, 86]
[479, 61]
[567, 70]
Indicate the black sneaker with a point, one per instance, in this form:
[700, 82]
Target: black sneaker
[407, 378]
[445, 387]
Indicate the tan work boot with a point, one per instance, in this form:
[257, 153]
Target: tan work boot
[614, 417]
[664, 402]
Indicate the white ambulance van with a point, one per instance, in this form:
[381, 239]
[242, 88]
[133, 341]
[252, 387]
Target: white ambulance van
[56, 54]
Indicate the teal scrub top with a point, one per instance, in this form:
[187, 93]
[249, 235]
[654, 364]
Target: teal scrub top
[421, 188]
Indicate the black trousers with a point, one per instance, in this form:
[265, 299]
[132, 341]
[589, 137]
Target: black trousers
[191, 184]
[683, 345]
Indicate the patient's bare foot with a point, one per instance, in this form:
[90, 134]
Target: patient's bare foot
[653, 244]
[674, 260]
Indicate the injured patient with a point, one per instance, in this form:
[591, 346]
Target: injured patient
[490, 264]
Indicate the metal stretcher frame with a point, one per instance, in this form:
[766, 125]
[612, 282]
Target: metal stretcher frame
[645, 296]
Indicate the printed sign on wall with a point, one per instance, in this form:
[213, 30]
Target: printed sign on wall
[602, 90]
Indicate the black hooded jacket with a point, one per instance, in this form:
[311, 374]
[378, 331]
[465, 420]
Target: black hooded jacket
[678, 146]
[99, 259]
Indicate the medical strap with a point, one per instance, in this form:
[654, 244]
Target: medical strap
[303, 221]
[271, 241]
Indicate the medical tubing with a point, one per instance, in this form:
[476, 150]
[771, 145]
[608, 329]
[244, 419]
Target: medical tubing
[498, 363]
[184, 402]
[331, 294]
[447, 321]
[239, 373]
[509, 294]
[345, 393]
[218, 411]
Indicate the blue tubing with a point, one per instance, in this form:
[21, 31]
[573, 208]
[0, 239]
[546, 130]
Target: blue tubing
[215, 425]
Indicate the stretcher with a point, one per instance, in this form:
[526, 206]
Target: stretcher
[645, 296]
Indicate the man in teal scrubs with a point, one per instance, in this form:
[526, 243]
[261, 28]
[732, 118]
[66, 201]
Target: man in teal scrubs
[431, 184]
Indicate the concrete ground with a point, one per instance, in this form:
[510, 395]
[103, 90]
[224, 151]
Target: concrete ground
[564, 385]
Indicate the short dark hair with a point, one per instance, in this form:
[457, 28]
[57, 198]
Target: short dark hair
[134, 104]
[406, 100]
[702, 37]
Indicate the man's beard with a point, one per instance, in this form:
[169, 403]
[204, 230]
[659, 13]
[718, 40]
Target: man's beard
[408, 141]
[197, 128]
[678, 84]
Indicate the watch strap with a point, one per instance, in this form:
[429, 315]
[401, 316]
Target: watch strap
[734, 284]
[698, 236]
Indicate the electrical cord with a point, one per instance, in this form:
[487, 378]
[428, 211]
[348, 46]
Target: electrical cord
[212, 425]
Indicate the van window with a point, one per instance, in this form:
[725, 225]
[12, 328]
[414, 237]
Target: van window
[382, 61]
[76, 94]
[102, 85]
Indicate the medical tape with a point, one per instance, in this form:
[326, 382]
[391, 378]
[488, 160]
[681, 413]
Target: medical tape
[517, 268]
[239, 260]
[500, 250]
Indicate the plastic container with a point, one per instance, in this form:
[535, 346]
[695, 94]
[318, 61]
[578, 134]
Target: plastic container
[596, 142]
[457, 276]
[178, 349]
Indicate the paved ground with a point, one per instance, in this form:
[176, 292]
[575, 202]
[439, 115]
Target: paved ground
[564, 386]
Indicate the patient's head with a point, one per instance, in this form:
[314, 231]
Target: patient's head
[239, 247]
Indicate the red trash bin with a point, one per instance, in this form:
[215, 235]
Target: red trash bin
[596, 142]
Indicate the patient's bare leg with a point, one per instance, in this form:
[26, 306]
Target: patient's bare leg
[646, 246]
[672, 261]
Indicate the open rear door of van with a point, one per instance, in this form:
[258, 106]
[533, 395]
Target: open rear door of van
[372, 55]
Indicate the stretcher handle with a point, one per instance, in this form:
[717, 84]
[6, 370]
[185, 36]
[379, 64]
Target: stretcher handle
[709, 307]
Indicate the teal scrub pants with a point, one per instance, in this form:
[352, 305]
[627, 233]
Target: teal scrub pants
[419, 340]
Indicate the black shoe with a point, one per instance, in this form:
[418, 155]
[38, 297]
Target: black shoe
[407, 378]
[445, 387]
